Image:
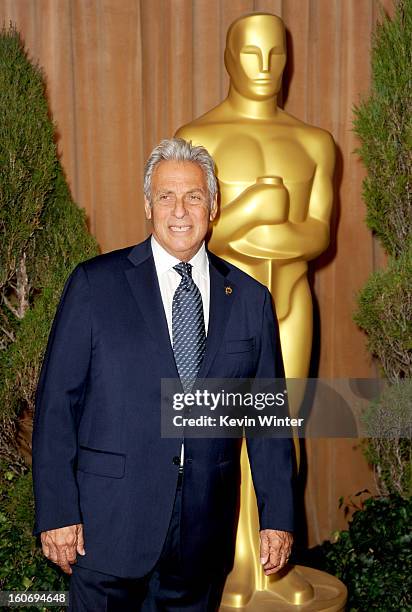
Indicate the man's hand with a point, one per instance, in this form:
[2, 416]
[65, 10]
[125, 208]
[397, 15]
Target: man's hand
[275, 548]
[60, 545]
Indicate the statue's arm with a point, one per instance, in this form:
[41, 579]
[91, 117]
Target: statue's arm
[259, 204]
[315, 230]
[289, 240]
[311, 237]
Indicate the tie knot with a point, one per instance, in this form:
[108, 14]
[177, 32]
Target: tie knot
[184, 269]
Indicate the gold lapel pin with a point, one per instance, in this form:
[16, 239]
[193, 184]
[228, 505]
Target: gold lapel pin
[228, 290]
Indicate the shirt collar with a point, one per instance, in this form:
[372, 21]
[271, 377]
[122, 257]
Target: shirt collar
[164, 261]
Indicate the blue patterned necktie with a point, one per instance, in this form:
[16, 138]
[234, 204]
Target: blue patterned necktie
[188, 327]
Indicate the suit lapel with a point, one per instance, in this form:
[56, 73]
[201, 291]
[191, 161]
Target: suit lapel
[144, 285]
[222, 294]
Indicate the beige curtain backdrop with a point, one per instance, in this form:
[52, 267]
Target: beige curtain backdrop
[121, 74]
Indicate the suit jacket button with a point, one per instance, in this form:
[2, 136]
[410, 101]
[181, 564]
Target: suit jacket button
[176, 460]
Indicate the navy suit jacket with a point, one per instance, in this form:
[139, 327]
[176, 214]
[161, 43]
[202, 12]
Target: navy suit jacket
[98, 456]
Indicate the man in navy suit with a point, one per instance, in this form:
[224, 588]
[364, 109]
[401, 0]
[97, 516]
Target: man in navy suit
[140, 521]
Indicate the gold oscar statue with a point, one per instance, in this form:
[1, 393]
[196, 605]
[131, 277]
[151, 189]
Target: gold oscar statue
[275, 174]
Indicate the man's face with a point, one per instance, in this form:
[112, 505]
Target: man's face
[256, 56]
[179, 210]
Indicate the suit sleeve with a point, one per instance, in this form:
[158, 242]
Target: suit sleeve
[59, 401]
[272, 459]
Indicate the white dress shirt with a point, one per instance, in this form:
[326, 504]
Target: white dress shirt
[169, 281]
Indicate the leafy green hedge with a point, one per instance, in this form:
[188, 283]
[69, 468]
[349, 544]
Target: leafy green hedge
[374, 556]
[22, 564]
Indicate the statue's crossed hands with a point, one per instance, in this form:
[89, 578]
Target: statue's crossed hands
[266, 203]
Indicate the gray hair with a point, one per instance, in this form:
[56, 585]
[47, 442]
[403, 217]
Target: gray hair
[177, 149]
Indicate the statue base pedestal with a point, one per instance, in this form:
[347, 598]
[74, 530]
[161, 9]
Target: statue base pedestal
[330, 595]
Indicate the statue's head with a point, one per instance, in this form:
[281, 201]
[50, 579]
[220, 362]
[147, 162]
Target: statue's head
[255, 55]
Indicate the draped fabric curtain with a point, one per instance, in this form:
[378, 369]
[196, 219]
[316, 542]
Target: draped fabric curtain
[122, 74]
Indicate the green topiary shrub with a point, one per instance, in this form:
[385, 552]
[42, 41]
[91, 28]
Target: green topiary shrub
[374, 556]
[43, 236]
[389, 421]
[384, 125]
[385, 314]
